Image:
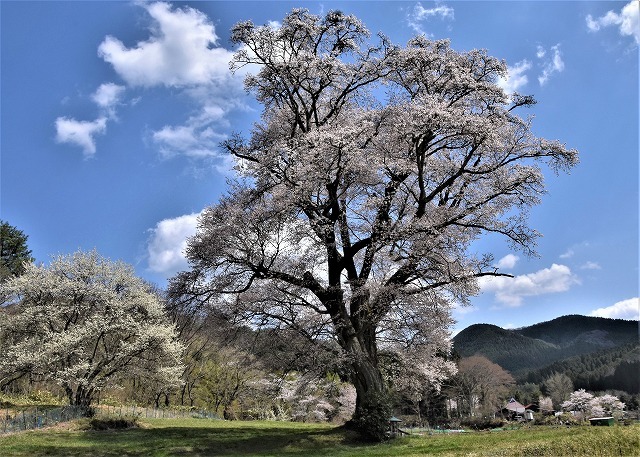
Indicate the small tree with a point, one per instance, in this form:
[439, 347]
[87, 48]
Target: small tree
[14, 253]
[579, 401]
[545, 404]
[482, 382]
[528, 393]
[558, 386]
[607, 405]
[86, 323]
[223, 377]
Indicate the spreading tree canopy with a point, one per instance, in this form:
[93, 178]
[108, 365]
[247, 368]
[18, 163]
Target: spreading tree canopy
[85, 323]
[373, 170]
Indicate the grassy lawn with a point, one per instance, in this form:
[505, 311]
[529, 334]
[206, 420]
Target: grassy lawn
[201, 437]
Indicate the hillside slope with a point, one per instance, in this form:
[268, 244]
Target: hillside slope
[617, 368]
[533, 348]
[573, 330]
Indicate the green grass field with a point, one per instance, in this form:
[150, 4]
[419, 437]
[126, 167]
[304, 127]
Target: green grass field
[201, 437]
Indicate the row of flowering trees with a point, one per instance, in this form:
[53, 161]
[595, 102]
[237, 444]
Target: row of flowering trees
[88, 328]
[589, 405]
[87, 325]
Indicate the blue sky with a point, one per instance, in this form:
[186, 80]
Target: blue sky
[112, 113]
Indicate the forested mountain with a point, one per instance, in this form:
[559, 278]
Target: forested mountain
[596, 353]
[617, 368]
[509, 349]
[575, 330]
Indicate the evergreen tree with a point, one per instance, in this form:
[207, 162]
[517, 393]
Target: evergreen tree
[14, 252]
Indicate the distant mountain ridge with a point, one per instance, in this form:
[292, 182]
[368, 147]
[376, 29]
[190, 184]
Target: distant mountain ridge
[569, 330]
[580, 341]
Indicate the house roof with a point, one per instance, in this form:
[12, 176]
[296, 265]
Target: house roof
[515, 406]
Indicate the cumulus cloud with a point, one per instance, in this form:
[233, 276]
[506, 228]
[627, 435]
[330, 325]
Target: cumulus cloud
[553, 65]
[627, 21]
[181, 51]
[188, 140]
[419, 14]
[168, 242]
[200, 134]
[108, 95]
[625, 309]
[512, 291]
[80, 133]
[516, 77]
[508, 261]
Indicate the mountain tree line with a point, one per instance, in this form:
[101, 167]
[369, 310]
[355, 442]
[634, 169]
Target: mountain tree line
[615, 368]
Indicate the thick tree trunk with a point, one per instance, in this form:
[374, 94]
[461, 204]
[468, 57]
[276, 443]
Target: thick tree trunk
[373, 409]
[82, 398]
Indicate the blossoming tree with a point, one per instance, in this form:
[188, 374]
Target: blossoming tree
[373, 170]
[589, 405]
[85, 323]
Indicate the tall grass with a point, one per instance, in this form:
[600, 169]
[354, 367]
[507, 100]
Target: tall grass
[203, 437]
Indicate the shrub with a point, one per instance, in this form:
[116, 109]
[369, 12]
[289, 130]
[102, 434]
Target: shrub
[482, 423]
[36, 398]
[113, 423]
[562, 419]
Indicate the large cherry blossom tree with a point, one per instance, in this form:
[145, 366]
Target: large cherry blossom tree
[85, 323]
[374, 169]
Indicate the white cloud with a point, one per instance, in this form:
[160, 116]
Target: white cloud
[80, 133]
[168, 242]
[508, 261]
[180, 52]
[419, 14]
[201, 133]
[108, 95]
[551, 66]
[462, 310]
[626, 309]
[628, 21]
[590, 266]
[511, 291]
[187, 140]
[516, 77]
[541, 52]
[567, 254]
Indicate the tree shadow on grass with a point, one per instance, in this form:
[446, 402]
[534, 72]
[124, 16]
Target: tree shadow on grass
[222, 441]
